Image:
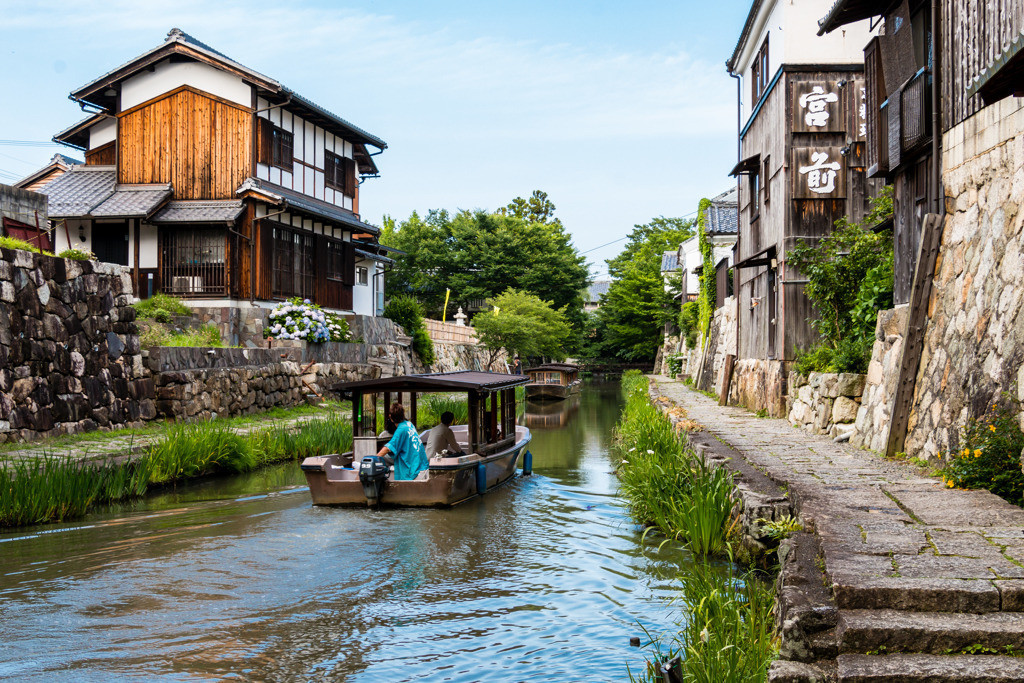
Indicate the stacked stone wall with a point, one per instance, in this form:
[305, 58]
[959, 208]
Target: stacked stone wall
[759, 385]
[974, 342]
[873, 418]
[825, 402]
[69, 348]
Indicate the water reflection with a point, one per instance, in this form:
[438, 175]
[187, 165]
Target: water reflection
[544, 579]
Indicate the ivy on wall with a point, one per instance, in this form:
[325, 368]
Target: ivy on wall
[706, 290]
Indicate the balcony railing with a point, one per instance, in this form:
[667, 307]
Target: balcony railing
[906, 117]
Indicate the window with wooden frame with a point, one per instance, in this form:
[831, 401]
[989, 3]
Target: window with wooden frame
[294, 263]
[362, 275]
[754, 187]
[759, 73]
[766, 177]
[340, 173]
[276, 145]
[340, 261]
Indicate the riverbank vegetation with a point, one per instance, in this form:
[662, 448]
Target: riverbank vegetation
[849, 279]
[728, 633]
[628, 325]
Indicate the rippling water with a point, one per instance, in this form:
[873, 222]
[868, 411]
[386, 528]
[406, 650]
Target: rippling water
[544, 579]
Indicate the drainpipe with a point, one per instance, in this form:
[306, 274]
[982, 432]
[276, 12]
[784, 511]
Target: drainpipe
[940, 204]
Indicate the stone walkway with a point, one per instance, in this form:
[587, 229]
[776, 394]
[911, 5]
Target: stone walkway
[918, 574]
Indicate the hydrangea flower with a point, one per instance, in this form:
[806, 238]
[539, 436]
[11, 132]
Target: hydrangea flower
[302, 319]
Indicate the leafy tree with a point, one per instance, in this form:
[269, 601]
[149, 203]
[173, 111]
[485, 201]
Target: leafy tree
[478, 255]
[522, 323]
[406, 312]
[850, 278]
[638, 302]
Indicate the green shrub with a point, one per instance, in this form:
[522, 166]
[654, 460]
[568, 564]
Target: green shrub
[147, 308]
[77, 255]
[14, 243]
[689, 320]
[191, 450]
[674, 362]
[990, 457]
[206, 336]
[406, 312]
[162, 316]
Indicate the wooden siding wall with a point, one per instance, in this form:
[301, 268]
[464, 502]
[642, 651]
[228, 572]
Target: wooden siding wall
[198, 143]
[973, 34]
[104, 155]
[784, 220]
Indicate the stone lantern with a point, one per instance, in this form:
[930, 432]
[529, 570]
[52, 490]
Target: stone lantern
[460, 318]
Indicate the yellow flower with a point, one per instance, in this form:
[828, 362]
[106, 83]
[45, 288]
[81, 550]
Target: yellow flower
[967, 451]
[977, 452]
[992, 427]
[949, 484]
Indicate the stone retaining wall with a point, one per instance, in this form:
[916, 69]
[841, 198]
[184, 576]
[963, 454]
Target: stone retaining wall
[449, 332]
[759, 385]
[872, 426]
[825, 402]
[69, 348]
[974, 342]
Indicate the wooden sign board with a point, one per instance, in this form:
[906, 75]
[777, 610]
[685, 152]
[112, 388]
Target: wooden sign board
[818, 107]
[818, 173]
[857, 109]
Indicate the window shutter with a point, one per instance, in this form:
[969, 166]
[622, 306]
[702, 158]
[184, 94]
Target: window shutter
[350, 177]
[264, 137]
[348, 273]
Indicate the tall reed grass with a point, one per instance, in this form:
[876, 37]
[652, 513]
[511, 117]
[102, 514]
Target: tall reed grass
[55, 488]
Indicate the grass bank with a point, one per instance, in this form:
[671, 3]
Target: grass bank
[55, 488]
[727, 634]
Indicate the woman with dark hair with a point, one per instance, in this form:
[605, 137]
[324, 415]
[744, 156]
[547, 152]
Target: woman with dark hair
[405, 449]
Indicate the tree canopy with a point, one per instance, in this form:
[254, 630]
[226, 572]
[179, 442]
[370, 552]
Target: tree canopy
[524, 324]
[639, 301]
[479, 255]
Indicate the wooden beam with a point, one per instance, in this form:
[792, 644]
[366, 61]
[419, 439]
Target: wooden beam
[474, 420]
[135, 256]
[723, 394]
[913, 338]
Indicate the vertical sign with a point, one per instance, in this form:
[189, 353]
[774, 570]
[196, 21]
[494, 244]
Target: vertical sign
[817, 107]
[818, 173]
[857, 108]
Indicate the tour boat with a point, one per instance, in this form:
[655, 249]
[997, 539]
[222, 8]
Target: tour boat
[492, 443]
[553, 381]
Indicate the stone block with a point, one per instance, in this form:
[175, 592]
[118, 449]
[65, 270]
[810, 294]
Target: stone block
[851, 385]
[844, 410]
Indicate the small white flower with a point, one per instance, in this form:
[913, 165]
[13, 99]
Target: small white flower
[650, 452]
[632, 449]
[704, 635]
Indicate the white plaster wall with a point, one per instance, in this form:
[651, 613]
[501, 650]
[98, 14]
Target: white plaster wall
[168, 76]
[689, 258]
[60, 241]
[362, 295]
[309, 144]
[148, 249]
[102, 132]
[793, 29]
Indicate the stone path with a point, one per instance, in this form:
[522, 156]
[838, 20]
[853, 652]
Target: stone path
[926, 583]
[123, 444]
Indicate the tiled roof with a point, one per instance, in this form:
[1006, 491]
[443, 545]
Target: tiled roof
[722, 217]
[129, 201]
[301, 203]
[669, 261]
[373, 257]
[597, 289]
[199, 211]
[76, 192]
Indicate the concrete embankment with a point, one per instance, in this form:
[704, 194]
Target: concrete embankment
[894, 578]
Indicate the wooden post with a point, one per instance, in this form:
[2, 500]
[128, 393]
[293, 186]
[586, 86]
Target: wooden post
[412, 408]
[474, 420]
[357, 413]
[723, 394]
[913, 339]
[135, 256]
[387, 412]
[494, 416]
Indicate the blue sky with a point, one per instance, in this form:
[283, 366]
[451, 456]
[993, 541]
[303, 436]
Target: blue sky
[619, 111]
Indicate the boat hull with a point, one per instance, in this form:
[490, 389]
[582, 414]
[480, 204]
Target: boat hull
[552, 392]
[448, 481]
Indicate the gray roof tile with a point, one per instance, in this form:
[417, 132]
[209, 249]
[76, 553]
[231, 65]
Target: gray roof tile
[722, 217]
[305, 204]
[76, 192]
[199, 211]
[132, 201]
[669, 261]
[596, 290]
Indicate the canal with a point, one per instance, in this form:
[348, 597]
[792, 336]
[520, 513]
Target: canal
[545, 579]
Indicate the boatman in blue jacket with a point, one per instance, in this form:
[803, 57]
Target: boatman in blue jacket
[405, 449]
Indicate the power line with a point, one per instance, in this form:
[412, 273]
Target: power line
[31, 143]
[626, 237]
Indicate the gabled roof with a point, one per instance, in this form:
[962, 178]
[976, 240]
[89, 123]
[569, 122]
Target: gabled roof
[77, 134]
[369, 255]
[301, 203]
[848, 11]
[59, 162]
[183, 45]
[669, 261]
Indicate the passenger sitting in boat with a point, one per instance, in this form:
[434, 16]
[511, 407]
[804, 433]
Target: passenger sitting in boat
[405, 449]
[441, 438]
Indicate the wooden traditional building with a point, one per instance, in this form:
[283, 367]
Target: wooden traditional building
[944, 83]
[58, 166]
[218, 184]
[801, 168]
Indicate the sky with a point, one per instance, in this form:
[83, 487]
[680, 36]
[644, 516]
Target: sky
[620, 111]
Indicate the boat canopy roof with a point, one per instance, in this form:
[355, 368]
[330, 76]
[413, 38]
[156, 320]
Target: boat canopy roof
[464, 380]
[564, 367]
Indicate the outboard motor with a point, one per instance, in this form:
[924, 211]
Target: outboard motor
[373, 475]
